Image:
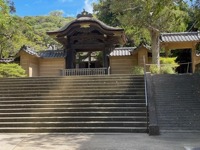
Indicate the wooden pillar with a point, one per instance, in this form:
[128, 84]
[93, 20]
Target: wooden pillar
[89, 59]
[167, 51]
[193, 55]
[105, 58]
[70, 57]
[77, 60]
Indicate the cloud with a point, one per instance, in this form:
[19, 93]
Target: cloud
[88, 5]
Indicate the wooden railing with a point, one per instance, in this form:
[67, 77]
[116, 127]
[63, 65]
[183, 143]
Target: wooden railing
[84, 71]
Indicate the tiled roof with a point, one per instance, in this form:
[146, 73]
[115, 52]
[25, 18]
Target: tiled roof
[29, 50]
[180, 37]
[86, 18]
[6, 60]
[52, 54]
[45, 53]
[122, 51]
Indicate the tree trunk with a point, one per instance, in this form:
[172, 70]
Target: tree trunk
[155, 46]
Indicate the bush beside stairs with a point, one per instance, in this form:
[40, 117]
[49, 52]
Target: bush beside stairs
[114, 103]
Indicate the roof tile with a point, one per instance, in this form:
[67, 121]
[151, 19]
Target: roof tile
[180, 37]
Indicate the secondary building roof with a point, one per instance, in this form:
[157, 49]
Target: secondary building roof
[127, 51]
[180, 37]
[122, 51]
[6, 60]
[45, 53]
[52, 54]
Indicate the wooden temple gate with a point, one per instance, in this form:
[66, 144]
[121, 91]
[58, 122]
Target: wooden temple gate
[87, 34]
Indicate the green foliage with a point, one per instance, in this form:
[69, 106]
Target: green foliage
[154, 69]
[169, 60]
[138, 70]
[196, 14]
[154, 16]
[167, 66]
[16, 31]
[11, 70]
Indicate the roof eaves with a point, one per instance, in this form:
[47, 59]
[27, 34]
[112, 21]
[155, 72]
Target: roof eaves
[29, 51]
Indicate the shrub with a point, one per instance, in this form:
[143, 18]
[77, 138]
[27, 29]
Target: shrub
[154, 69]
[11, 70]
[167, 66]
[137, 70]
[168, 69]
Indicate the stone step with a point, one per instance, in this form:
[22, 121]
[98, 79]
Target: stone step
[73, 109]
[73, 124]
[110, 77]
[117, 87]
[73, 104]
[72, 119]
[74, 80]
[31, 90]
[72, 115]
[36, 97]
[68, 106]
[52, 94]
[73, 129]
[59, 101]
[101, 84]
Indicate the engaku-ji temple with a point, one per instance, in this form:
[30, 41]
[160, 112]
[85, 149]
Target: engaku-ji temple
[88, 86]
[85, 36]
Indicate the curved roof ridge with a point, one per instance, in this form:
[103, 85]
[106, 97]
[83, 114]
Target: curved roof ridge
[86, 19]
[29, 50]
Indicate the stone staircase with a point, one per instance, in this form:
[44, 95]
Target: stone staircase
[114, 103]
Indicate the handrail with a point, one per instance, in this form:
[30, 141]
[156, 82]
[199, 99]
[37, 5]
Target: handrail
[84, 71]
[146, 97]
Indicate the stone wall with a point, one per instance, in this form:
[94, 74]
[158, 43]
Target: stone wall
[177, 101]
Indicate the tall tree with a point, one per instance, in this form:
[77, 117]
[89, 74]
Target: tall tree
[154, 15]
[103, 12]
[197, 13]
[5, 20]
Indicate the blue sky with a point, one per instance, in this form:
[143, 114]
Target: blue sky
[43, 7]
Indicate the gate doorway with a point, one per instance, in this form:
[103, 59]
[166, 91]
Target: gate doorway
[184, 59]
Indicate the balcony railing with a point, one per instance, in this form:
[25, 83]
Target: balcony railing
[85, 71]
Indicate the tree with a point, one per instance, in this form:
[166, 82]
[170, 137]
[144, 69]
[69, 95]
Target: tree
[153, 15]
[103, 12]
[5, 20]
[197, 13]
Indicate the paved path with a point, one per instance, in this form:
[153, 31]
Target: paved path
[169, 141]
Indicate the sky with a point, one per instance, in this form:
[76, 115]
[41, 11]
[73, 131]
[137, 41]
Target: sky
[70, 8]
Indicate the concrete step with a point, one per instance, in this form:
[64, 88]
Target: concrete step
[73, 104]
[50, 115]
[73, 80]
[36, 97]
[64, 85]
[52, 94]
[110, 77]
[73, 124]
[73, 129]
[73, 109]
[73, 119]
[79, 101]
[100, 87]
[67, 105]
[75, 90]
